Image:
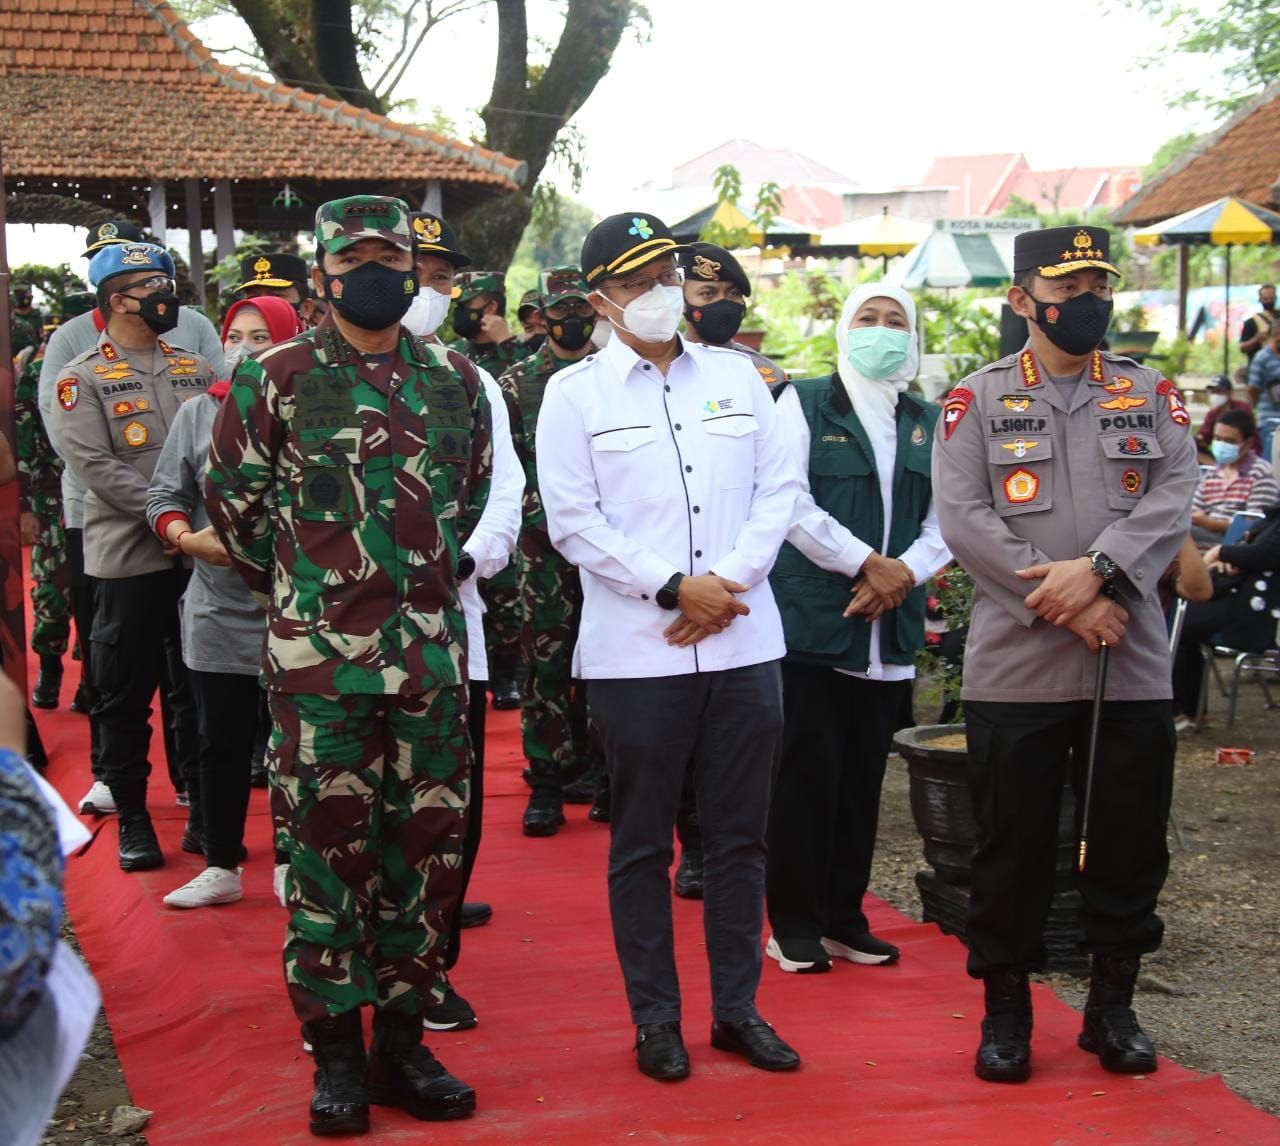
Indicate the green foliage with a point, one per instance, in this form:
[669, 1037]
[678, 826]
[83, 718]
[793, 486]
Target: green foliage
[48, 284]
[799, 318]
[1242, 37]
[1169, 151]
[955, 325]
[953, 588]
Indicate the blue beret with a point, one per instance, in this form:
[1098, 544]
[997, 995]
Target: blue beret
[125, 258]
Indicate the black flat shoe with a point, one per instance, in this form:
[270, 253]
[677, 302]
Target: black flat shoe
[660, 1051]
[474, 915]
[756, 1041]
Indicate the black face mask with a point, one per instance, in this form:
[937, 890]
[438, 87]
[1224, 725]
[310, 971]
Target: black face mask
[374, 296]
[159, 311]
[716, 322]
[1076, 326]
[534, 342]
[466, 321]
[572, 332]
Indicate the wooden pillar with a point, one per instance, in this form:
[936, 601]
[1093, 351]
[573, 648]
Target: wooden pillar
[158, 209]
[223, 226]
[433, 199]
[195, 252]
[1184, 253]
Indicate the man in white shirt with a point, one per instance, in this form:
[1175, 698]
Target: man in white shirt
[666, 480]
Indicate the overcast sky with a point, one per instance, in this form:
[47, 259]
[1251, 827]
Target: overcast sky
[874, 90]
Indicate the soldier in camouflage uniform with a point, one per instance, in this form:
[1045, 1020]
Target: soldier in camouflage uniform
[375, 446]
[40, 503]
[26, 327]
[532, 321]
[553, 723]
[485, 338]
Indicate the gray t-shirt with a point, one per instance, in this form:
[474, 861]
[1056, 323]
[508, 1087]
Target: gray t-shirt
[223, 629]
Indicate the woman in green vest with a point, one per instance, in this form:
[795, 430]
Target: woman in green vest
[850, 585]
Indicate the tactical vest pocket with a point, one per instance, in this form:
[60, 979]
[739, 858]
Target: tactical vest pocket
[625, 461]
[1126, 460]
[1021, 473]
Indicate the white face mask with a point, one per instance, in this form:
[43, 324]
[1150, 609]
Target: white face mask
[235, 355]
[1217, 399]
[602, 332]
[426, 312]
[655, 315]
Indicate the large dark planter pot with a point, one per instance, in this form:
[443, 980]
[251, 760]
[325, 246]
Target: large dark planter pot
[943, 812]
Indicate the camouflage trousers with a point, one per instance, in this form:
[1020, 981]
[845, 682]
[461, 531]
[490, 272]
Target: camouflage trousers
[553, 723]
[369, 796]
[50, 588]
[503, 622]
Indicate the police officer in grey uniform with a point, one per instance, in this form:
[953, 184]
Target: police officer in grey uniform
[112, 408]
[1065, 477]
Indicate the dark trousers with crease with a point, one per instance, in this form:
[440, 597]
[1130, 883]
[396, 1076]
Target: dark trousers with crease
[228, 709]
[826, 805]
[82, 592]
[1018, 760]
[477, 706]
[730, 724]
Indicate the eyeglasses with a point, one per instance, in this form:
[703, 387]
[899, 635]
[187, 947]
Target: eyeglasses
[580, 307]
[638, 286]
[155, 282]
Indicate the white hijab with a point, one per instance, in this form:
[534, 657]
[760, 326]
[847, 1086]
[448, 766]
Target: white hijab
[875, 399]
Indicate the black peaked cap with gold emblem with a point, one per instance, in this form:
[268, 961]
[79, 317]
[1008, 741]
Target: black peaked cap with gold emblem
[618, 244]
[432, 235]
[278, 270]
[707, 263]
[112, 231]
[1058, 251]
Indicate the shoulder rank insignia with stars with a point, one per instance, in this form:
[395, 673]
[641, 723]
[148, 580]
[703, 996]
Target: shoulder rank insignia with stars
[955, 408]
[1177, 408]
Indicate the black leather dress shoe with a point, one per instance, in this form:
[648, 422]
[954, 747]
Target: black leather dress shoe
[474, 915]
[139, 848]
[83, 700]
[756, 1041]
[660, 1051]
[689, 874]
[506, 694]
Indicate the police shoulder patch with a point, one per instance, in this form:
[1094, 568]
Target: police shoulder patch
[68, 393]
[954, 408]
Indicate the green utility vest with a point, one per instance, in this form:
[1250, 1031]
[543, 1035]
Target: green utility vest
[844, 482]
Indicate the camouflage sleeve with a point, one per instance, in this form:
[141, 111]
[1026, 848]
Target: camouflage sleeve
[245, 441]
[481, 451]
[26, 419]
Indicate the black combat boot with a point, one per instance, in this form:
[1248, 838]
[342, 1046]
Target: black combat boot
[583, 789]
[1111, 1028]
[545, 812]
[403, 1073]
[1005, 1052]
[340, 1104]
[48, 683]
[504, 679]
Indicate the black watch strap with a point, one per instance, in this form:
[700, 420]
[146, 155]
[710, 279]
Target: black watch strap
[668, 597]
[1103, 567]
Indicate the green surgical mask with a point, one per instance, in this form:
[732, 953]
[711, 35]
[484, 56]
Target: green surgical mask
[877, 351]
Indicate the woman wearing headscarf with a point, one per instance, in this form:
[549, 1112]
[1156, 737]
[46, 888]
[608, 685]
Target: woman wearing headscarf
[222, 625]
[850, 587]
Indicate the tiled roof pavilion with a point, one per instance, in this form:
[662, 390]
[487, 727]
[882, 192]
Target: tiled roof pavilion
[104, 100]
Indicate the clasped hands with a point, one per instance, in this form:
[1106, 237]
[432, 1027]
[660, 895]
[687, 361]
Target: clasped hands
[882, 584]
[708, 605]
[1070, 597]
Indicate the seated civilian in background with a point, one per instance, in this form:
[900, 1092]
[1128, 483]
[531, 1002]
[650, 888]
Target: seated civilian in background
[222, 626]
[1264, 388]
[1219, 393]
[1240, 480]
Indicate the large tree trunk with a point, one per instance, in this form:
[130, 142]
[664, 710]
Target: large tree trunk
[336, 57]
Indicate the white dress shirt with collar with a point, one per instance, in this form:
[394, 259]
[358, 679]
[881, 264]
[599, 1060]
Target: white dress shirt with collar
[494, 538]
[832, 546]
[644, 476]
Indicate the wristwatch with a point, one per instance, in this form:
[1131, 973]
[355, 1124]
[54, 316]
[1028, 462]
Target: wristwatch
[1103, 567]
[668, 597]
[466, 566]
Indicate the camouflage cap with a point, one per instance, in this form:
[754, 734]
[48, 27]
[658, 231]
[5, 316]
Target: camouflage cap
[341, 222]
[77, 302]
[471, 283]
[562, 282]
[530, 300]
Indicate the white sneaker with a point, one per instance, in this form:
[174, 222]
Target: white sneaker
[212, 886]
[97, 801]
[277, 883]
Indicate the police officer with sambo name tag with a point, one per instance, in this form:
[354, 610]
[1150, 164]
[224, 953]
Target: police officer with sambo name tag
[112, 408]
[1063, 470]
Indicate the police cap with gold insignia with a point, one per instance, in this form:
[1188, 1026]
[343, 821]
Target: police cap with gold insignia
[432, 235]
[530, 300]
[1058, 251]
[112, 231]
[707, 263]
[471, 283]
[560, 283]
[278, 270]
[341, 223]
[126, 258]
[619, 244]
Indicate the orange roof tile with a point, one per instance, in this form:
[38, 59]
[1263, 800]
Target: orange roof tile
[64, 114]
[1239, 159]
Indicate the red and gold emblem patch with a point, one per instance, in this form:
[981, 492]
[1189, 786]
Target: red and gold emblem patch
[1119, 385]
[955, 408]
[68, 393]
[135, 434]
[1177, 407]
[1131, 481]
[1052, 314]
[1030, 372]
[122, 408]
[1021, 486]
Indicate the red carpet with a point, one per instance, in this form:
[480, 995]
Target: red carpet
[208, 1042]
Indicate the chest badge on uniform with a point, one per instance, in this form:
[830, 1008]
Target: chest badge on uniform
[1133, 446]
[955, 408]
[1119, 385]
[1015, 402]
[135, 434]
[1021, 486]
[917, 435]
[117, 373]
[68, 393]
[122, 408]
[1019, 446]
[183, 366]
[1131, 480]
[142, 404]
[715, 406]
[1122, 402]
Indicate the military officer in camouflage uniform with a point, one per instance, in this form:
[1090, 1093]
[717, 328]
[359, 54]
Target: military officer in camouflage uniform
[554, 721]
[1066, 476]
[112, 409]
[25, 323]
[40, 502]
[375, 446]
[533, 322]
[485, 338]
